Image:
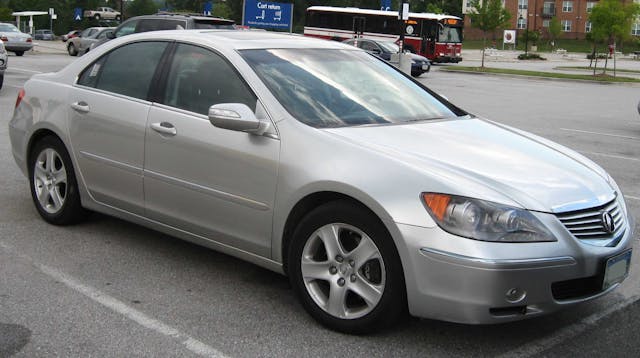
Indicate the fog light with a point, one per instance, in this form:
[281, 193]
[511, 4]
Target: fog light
[515, 294]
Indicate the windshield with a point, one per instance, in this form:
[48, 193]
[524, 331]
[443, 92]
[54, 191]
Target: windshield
[450, 34]
[335, 88]
[389, 46]
[8, 28]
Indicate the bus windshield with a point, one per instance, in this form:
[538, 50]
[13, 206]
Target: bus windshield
[449, 34]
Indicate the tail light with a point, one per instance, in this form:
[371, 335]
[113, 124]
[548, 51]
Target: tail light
[4, 38]
[29, 39]
[21, 95]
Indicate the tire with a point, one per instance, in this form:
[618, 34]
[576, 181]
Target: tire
[416, 74]
[97, 17]
[71, 48]
[117, 17]
[53, 184]
[19, 53]
[366, 264]
[1, 80]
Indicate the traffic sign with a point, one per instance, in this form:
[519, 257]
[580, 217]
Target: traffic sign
[77, 14]
[267, 14]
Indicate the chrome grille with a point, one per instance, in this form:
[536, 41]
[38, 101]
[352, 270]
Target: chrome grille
[587, 225]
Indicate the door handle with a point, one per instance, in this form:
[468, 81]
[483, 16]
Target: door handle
[164, 128]
[81, 107]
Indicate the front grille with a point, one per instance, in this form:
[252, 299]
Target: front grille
[588, 226]
[577, 288]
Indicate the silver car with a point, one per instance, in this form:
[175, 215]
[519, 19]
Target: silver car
[4, 61]
[14, 40]
[87, 39]
[317, 160]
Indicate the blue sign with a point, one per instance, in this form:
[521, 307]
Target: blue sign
[267, 14]
[208, 7]
[77, 14]
[385, 5]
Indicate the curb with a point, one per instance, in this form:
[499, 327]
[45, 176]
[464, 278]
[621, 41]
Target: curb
[509, 75]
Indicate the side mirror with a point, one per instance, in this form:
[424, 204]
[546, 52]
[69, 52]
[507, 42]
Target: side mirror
[236, 117]
[111, 35]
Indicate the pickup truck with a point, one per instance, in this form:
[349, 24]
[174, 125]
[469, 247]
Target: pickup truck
[103, 13]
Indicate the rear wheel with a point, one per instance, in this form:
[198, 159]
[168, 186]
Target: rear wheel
[19, 53]
[97, 17]
[54, 188]
[117, 17]
[1, 80]
[345, 268]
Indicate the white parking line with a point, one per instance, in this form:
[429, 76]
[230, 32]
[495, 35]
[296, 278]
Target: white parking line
[611, 156]
[536, 347]
[23, 70]
[120, 307]
[631, 197]
[599, 133]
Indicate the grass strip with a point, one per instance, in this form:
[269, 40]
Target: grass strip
[586, 68]
[508, 71]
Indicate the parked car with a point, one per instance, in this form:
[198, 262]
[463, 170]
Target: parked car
[4, 61]
[71, 34]
[46, 35]
[15, 40]
[314, 159]
[83, 43]
[385, 49]
[168, 21]
[103, 13]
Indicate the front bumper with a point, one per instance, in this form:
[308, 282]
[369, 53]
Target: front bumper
[18, 46]
[468, 281]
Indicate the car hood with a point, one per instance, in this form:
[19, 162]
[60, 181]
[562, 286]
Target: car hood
[534, 173]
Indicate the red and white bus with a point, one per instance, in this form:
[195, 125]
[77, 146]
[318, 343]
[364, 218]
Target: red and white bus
[435, 36]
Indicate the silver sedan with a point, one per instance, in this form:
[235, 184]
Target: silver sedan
[4, 60]
[14, 40]
[87, 39]
[317, 160]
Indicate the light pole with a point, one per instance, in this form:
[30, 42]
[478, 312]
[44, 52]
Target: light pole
[526, 37]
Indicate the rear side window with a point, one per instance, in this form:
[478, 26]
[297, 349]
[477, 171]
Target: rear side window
[208, 24]
[199, 78]
[145, 25]
[128, 27]
[127, 70]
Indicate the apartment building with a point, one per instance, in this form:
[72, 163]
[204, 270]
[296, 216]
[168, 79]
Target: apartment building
[536, 15]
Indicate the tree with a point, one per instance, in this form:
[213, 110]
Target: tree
[141, 7]
[488, 15]
[611, 20]
[554, 30]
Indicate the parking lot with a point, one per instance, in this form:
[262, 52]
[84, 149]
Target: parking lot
[112, 289]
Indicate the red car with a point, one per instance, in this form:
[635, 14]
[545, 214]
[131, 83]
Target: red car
[70, 35]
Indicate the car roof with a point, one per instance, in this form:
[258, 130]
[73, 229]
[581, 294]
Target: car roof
[198, 17]
[241, 39]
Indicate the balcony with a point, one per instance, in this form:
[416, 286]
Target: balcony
[548, 11]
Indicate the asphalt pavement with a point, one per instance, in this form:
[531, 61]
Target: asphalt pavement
[108, 288]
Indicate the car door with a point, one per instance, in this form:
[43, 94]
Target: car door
[107, 122]
[213, 182]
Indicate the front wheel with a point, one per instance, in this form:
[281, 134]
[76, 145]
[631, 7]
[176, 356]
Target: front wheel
[345, 269]
[71, 49]
[54, 188]
[97, 17]
[1, 80]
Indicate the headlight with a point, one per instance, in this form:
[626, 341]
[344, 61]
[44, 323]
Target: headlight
[484, 220]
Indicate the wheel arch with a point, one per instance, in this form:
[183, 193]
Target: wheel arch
[308, 203]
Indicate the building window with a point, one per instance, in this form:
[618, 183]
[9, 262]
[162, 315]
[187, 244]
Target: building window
[522, 23]
[590, 6]
[545, 23]
[566, 25]
[635, 30]
[567, 6]
[522, 4]
[587, 26]
[549, 8]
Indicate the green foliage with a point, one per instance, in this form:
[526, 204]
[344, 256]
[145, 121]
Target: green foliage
[222, 10]
[531, 56]
[488, 15]
[5, 14]
[612, 19]
[555, 28]
[141, 7]
[433, 8]
[531, 36]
